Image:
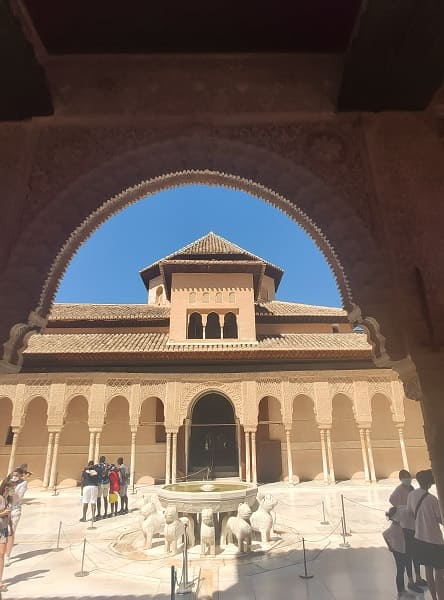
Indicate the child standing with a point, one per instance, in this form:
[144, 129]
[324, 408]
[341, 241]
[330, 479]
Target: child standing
[394, 538]
[114, 487]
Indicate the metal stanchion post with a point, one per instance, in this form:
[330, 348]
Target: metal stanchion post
[305, 575]
[324, 521]
[55, 492]
[58, 537]
[185, 586]
[343, 518]
[344, 543]
[82, 572]
[173, 583]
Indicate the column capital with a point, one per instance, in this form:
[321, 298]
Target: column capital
[325, 426]
[364, 425]
[54, 429]
[399, 424]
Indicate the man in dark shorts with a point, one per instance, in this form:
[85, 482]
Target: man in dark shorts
[428, 547]
[103, 487]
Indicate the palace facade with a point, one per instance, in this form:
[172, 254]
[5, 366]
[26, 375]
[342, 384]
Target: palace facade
[212, 374]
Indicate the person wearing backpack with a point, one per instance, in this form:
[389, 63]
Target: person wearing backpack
[124, 476]
[428, 547]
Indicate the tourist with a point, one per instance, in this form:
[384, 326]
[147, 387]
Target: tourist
[6, 490]
[114, 487]
[27, 473]
[124, 477]
[399, 498]
[89, 490]
[103, 488]
[428, 547]
[394, 538]
[20, 487]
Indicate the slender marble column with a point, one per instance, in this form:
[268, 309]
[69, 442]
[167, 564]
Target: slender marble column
[91, 445]
[53, 477]
[324, 456]
[48, 459]
[174, 459]
[330, 457]
[364, 454]
[405, 462]
[370, 456]
[97, 448]
[239, 447]
[133, 458]
[15, 435]
[289, 456]
[253, 456]
[168, 458]
[187, 442]
[247, 458]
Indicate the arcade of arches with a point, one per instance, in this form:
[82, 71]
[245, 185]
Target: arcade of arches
[309, 426]
[368, 187]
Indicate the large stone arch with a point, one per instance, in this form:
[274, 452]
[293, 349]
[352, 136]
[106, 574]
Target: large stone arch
[70, 216]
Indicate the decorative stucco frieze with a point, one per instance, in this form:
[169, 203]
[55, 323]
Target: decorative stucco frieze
[118, 387]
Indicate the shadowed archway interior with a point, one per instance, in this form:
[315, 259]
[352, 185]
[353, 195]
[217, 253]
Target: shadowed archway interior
[213, 440]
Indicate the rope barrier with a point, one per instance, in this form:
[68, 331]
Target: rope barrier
[364, 505]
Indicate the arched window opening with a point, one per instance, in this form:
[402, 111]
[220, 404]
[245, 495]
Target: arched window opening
[195, 329]
[335, 328]
[159, 295]
[230, 326]
[212, 330]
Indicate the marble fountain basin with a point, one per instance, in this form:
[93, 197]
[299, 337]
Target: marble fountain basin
[193, 496]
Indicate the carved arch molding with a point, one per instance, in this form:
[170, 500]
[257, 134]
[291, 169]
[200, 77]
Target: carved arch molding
[70, 214]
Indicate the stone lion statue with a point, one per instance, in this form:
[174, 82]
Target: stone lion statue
[238, 527]
[262, 520]
[152, 520]
[207, 533]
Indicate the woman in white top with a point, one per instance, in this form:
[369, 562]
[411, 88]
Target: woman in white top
[429, 542]
[6, 488]
[20, 487]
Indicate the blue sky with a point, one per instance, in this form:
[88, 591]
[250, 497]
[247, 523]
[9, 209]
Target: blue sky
[106, 268]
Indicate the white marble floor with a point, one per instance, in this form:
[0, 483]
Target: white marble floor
[364, 571]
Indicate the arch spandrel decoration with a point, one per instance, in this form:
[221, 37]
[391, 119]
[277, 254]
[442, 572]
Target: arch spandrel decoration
[192, 391]
[393, 391]
[270, 387]
[77, 387]
[300, 387]
[118, 387]
[34, 388]
[153, 388]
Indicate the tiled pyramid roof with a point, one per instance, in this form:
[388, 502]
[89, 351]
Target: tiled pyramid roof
[210, 248]
[211, 245]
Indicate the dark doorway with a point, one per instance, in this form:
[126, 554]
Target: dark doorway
[213, 440]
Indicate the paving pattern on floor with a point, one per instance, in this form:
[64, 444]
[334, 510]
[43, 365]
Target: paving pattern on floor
[363, 571]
